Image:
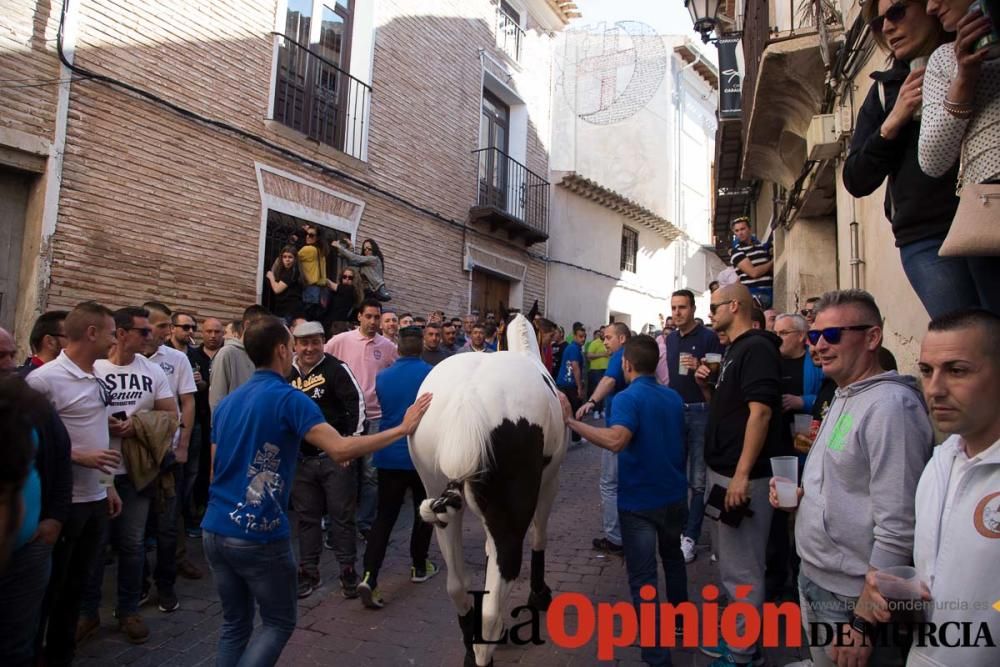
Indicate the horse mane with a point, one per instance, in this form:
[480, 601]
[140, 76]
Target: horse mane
[521, 336]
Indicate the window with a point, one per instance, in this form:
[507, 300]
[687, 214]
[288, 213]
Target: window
[630, 248]
[314, 92]
[510, 35]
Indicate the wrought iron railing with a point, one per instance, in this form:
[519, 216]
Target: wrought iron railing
[315, 97]
[507, 185]
[510, 36]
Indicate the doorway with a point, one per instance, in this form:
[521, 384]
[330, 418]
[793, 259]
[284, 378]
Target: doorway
[489, 291]
[14, 188]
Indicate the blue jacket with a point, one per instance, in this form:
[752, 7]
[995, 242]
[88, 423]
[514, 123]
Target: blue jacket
[396, 388]
[812, 379]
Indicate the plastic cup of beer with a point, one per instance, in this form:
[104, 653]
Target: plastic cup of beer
[802, 424]
[900, 586]
[682, 363]
[714, 362]
[786, 480]
[106, 479]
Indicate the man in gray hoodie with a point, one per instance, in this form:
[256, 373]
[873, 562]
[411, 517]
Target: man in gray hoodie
[856, 511]
[231, 366]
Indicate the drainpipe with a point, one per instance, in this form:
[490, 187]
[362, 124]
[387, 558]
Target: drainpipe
[855, 261]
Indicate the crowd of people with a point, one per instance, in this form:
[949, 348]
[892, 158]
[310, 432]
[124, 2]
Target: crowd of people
[120, 422]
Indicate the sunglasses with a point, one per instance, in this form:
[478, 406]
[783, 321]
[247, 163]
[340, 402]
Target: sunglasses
[310, 234]
[808, 312]
[145, 332]
[833, 334]
[187, 327]
[895, 13]
[712, 307]
[347, 276]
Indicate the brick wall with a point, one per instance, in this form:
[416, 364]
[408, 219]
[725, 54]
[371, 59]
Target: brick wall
[28, 66]
[155, 205]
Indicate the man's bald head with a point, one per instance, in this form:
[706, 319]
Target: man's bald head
[735, 292]
[731, 309]
[8, 352]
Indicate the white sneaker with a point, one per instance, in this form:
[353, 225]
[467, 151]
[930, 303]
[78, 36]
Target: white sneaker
[714, 558]
[800, 663]
[687, 548]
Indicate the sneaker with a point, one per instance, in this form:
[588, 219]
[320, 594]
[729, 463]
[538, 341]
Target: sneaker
[713, 558]
[800, 663]
[306, 585]
[724, 656]
[420, 575]
[371, 597]
[134, 628]
[168, 601]
[328, 541]
[86, 627]
[349, 583]
[144, 596]
[193, 533]
[687, 548]
[189, 570]
[606, 545]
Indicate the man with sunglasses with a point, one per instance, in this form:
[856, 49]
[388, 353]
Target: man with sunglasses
[742, 433]
[135, 384]
[856, 511]
[47, 338]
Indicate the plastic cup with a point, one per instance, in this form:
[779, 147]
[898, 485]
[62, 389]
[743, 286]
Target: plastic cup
[898, 583]
[682, 361]
[786, 467]
[788, 492]
[106, 479]
[802, 424]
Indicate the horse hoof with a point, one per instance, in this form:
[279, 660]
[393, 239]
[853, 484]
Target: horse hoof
[540, 599]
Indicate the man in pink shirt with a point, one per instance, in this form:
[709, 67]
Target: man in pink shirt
[366, 352]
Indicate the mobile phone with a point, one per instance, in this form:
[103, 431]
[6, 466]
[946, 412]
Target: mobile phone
[120, 416]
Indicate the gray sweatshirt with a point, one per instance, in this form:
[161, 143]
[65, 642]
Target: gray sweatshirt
[860, 480]
[230, 368]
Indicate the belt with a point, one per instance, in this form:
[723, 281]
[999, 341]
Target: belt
[696, 407]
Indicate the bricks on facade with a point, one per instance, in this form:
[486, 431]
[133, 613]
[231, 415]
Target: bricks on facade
[155, 204]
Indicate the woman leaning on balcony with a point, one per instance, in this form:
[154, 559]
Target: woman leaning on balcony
[962, 118]
[885, 144]
[371, 266]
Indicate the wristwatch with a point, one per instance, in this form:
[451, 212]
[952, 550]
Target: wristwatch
[861, 625]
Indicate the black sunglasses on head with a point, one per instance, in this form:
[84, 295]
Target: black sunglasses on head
[895, 13]
[833, 334]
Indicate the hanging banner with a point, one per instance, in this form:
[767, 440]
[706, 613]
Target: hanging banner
[730, 79]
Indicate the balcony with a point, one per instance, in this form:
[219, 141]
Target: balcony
[511, 197]
[510, 36]
[785, 50]
[315, 97]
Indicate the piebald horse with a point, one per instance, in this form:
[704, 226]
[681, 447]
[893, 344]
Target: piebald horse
[493, 440]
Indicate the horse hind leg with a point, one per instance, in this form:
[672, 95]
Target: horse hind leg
[540, 596]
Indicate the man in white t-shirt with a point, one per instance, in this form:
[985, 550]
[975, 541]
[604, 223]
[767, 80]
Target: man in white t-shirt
[177, 367]
[956, 542]
[71, 386]
[134, 385]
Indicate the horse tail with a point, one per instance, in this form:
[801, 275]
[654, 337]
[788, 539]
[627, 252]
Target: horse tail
[464, 446]
[521, 337]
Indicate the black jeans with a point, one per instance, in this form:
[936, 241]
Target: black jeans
[392, 486]
[163, 524]
[323, 486]
[72, 560]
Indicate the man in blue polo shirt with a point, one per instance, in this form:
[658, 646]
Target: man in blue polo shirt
[569, 379]
[615, 336]
[695, 340]
[396, 388]
[256, 433]
[646, 430]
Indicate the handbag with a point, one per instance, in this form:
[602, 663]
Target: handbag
[975, 231]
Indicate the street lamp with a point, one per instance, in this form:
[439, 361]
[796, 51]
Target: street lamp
[704, 14]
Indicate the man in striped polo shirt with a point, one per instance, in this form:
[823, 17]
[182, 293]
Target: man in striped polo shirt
[753, 263]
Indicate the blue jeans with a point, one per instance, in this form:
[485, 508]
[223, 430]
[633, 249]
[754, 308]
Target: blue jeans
[165, 572]
[608, 485]
[22, 589]
[643, 533]
[368, 484]
[245, 573]
[946, 284]
[130, 532]
[695, 420]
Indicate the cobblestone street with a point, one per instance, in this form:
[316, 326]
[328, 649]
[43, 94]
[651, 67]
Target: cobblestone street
[418, 625]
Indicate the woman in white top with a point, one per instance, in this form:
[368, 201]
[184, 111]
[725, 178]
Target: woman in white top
[961, 118]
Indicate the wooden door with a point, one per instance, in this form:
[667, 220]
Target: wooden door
[13, 202]
[489, 291]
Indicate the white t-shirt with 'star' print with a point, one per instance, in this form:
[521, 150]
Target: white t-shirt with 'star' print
[757, 254]
[132, 388]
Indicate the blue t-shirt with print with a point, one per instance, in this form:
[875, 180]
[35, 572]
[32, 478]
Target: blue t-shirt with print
[257, 430]
[396, 388]
[651, 468]
[573, 352]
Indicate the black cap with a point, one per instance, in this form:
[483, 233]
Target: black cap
[411, 332]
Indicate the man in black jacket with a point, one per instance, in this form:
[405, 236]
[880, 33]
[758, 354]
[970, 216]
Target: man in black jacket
[322, 486]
